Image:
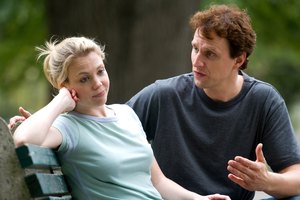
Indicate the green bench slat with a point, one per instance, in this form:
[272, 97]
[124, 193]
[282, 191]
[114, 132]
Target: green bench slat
[45, 186]
[33, 156]
[57, 198]
[41, 184]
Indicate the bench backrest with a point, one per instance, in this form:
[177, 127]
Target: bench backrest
[46, 180]
[12, 183]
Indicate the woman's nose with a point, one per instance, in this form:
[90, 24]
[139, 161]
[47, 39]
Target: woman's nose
[97, 82]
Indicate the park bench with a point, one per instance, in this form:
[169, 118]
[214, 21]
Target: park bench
[47, 179]
[29, 171]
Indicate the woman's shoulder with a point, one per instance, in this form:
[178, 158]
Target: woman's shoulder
[122, 110]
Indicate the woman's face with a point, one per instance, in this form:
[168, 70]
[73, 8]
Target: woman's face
[88, 77]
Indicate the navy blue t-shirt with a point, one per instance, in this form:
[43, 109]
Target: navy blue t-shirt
[193, 137]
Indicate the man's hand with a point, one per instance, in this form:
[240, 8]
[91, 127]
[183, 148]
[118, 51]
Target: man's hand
[251, 175]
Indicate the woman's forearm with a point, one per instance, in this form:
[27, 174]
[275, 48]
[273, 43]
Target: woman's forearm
[35, 128]
[168, 189]
[172, 191]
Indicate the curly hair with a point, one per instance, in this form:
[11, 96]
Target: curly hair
[59, 56]
[229, 22]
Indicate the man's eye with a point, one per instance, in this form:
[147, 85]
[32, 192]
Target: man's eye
[210, 54]
[195, 49]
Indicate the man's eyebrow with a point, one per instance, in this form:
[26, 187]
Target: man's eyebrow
[210, 48]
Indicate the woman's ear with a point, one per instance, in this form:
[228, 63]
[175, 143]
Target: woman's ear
[64, 84]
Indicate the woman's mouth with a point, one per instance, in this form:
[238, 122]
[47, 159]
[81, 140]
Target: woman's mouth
[100, 94]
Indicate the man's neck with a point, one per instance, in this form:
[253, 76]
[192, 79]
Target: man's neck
[228, 92]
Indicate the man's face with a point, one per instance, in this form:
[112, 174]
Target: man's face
[213, 67]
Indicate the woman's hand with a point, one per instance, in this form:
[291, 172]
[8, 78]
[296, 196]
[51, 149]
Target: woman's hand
[212, 197]
[15, 120]
[68, 99]
[218, 197]
[71, 99]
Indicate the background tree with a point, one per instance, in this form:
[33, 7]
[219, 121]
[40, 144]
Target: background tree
[144, 40]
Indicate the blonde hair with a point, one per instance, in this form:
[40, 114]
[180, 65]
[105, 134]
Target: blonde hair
[59, 56]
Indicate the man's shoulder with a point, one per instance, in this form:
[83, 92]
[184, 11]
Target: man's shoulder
[259, 85]
[262, 90]
[178, 78]
[163, 88]
[175, 82]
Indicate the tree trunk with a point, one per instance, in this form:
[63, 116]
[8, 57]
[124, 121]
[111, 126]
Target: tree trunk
[145, 40]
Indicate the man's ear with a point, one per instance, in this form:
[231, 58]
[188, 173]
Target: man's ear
[240, 60]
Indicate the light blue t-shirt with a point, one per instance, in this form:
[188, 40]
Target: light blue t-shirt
[106, 158]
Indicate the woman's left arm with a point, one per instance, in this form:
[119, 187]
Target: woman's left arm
[168, 189]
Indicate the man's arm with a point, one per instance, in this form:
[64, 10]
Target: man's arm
[255, 176]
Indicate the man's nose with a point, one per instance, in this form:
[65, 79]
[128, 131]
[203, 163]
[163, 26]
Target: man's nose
[197, 60]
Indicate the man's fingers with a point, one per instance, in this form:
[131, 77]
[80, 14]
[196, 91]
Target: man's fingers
[259, 153]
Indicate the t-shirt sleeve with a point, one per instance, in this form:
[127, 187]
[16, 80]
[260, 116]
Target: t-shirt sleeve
[145, 105]
[68, 128]
[280, 145]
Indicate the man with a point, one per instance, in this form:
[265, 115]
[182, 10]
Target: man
[216, 129]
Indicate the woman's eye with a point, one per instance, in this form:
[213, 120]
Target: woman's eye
[101, 71]
[84, 79]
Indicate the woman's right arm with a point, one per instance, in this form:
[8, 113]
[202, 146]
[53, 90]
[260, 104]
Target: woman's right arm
[15, 120]
[37, 129]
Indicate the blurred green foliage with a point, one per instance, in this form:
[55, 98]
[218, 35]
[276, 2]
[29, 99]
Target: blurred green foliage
[23, 26]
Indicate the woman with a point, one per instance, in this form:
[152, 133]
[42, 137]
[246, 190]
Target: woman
[103, 148]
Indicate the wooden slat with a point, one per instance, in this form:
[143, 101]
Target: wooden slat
[33, 156]
[49, 186]
[40, 184]
[57, 198]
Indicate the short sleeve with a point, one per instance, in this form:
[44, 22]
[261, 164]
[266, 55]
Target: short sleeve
[67, 126]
